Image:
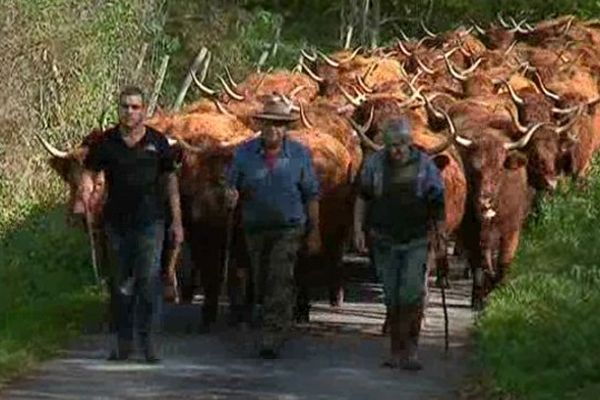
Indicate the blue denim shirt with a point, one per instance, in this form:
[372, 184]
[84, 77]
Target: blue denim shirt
[429, 183]
[277, 197]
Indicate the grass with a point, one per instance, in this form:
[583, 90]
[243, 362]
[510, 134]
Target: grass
[539, 335]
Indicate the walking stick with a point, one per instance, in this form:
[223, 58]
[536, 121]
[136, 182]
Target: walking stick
[442, 279]
[228, 240]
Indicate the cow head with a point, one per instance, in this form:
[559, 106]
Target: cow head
[488, 155]
[69, 166]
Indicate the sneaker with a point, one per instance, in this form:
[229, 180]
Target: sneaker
[268, 354]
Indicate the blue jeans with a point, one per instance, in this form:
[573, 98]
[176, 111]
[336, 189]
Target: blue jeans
[135, 278]
[401, 267]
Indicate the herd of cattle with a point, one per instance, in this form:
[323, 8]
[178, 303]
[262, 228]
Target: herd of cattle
[504, 111]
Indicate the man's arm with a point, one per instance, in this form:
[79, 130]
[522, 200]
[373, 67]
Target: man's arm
[309, 187]
[173, 194]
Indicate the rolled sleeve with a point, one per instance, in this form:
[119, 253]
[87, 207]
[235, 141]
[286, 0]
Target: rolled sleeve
[309, 184]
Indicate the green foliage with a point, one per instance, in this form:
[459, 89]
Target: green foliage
[540, 333]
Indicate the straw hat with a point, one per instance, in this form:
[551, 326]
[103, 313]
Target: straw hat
[276, 109]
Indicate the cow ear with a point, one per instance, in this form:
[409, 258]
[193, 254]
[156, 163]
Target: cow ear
[515, 160]
[441, 161]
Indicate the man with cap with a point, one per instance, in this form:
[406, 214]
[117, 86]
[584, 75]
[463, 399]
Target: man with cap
[273, 178]
[401, 196]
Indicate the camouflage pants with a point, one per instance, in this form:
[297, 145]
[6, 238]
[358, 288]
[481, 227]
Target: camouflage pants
[273, 257]
[135, 278]
[402, 270]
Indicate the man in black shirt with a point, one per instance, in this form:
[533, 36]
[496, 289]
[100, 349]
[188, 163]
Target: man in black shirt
[137, 162]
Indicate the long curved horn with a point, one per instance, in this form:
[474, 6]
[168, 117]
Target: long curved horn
[403, 49]
[436, 113]
[54, 152]
[569, 125]
[473, 67]
[453, 72]
[515, 120]
[362, 132]
[568, 25]
[297, 90]
[454, 133]
[478, 28]
[422, 40]
[525, 139]
[363, 85]
[351, 56]
[510, 48]
[356, 101]
[222, 109]
[187, 146]
[544, 89]
[230, 78]
[310, 57]
[230, 91]
[424, 67]
[328, 60]
[502, 21]
[518, 100]
[310, 73]
[404, 37]
[370, 70]
[289, 103]
[426, 30]
[563, 111]
[203, 88]
[304, 118]
[416, 94]
[414, 78]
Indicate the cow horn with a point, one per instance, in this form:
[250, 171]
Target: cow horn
[426, 30]
[289, 103]
[203, 88]
[544, 89]
[453, 72]
[424, 67]
[519, 144]
[362, 131]
[404, 37]
[310, 73]
[416, 94]
[569, 23]
[593, 102]
[518, 100]
[363, 85]
[356, 101]
[517, 27]
[328, 60]
[403, 49]
[414, 78]
[351, 56]
[230, 78]
[569, 125]
[502, 21]
[510, 48]
[478, 28]
[230, 91]
[297, 90]
[222, 109]
[370, 70]
[436, 113]
[473, 67]
[54, 152]
[187, 146]
[304, 118]
[515, 120]
[422, 40]
[459, 139]
[563, 111]
[310, 57]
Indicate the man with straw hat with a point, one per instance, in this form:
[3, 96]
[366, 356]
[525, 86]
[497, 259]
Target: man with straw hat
[273, 178]
[401, 196]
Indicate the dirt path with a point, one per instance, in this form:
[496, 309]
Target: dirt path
[336, 356]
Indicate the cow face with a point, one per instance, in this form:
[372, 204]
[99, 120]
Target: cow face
[487, 159]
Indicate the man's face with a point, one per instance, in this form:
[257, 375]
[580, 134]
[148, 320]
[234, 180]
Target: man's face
[399, 148]
[132, 111]
[272, 133]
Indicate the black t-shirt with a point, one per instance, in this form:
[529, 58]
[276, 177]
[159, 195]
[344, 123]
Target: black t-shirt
[136, 192]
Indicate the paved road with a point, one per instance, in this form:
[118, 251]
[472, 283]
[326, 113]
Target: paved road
[336, 356]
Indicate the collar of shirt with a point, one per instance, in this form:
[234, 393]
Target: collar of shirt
[285, 151]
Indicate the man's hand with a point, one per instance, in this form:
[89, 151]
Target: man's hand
[313, 241]
[231, 198]
[176, 232]
[360, 241]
